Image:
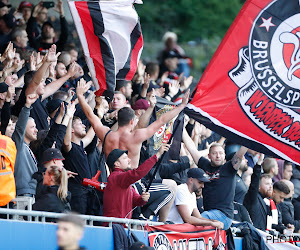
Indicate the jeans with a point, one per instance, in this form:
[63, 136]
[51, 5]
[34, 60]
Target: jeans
[217, 215]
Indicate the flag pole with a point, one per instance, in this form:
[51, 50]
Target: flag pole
[157, 164]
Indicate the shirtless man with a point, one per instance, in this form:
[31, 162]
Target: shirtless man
[125, 138]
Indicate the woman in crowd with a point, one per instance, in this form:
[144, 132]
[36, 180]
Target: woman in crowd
[55, 196]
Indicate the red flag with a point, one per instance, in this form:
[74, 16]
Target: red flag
[250, 90]
[111, 37]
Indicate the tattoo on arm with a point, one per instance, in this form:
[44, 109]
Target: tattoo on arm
[236, 161]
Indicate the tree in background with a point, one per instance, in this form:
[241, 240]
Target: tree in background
[190, 19]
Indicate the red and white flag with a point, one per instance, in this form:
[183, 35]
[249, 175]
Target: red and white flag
[186, 236]
[250, 91]
[111, 37]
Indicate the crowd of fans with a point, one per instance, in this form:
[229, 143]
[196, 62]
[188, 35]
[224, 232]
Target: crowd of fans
[63, 134]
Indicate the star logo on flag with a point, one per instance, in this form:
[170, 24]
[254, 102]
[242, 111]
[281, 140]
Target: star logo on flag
[267, 23]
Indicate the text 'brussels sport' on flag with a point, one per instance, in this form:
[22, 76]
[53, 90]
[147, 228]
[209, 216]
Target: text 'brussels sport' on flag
[111, 37]
[250, 91]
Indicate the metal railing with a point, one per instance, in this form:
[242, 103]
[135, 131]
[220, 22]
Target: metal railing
[236, 230]
[38, 216]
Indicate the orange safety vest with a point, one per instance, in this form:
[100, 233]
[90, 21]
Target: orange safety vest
[8, 154]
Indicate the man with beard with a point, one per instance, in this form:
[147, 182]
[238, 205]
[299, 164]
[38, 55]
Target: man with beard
[184, 208]
[26, 164]
[240, 188]
[274, 221]
[60, 70]
[218, 194]
[270, 167]
[261, 187]
[125, 87]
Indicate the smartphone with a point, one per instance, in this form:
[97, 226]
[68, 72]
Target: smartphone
[48, 5]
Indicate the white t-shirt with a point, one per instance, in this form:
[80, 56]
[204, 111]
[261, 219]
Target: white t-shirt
[183, 197]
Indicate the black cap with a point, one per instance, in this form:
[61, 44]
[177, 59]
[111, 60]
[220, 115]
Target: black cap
[51, 154]
[170, 54]
[3, 87]
[152, 86]
[140, 245]
[53, 105]
[199, 174]
[47, 23]
[114, 156]
[108, 95]
[10, 20]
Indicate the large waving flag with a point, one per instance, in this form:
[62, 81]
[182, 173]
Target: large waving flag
[250, 91]
[111, 37]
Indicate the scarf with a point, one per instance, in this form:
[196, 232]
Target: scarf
[273, 217]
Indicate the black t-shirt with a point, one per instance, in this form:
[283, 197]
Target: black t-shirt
[240, 189]
[76, 161]
[219, 192]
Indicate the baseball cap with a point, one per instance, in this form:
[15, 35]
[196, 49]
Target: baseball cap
[141, 104]
[140, 245]
[51, 154]
[4, 4]
[10, 20]
[24, 4]
[170, 54]
[53, 105]
[199, 174]
[3, 87]
[48, 23]
[152, 86]
[114, 156]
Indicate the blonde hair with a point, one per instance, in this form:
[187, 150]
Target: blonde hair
[214, 145]
[60, 178]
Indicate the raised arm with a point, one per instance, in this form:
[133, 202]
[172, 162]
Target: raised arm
[67, 145]
[52, 87]
[38, 76]
[144, 134]
[63, 26]
[188, 142]
[252, 193]
[89, 137]
[237, 158]
[145, 118]
[20, 82]
[18, 135]
[146, 84]
[100, 130]
[69, 114]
